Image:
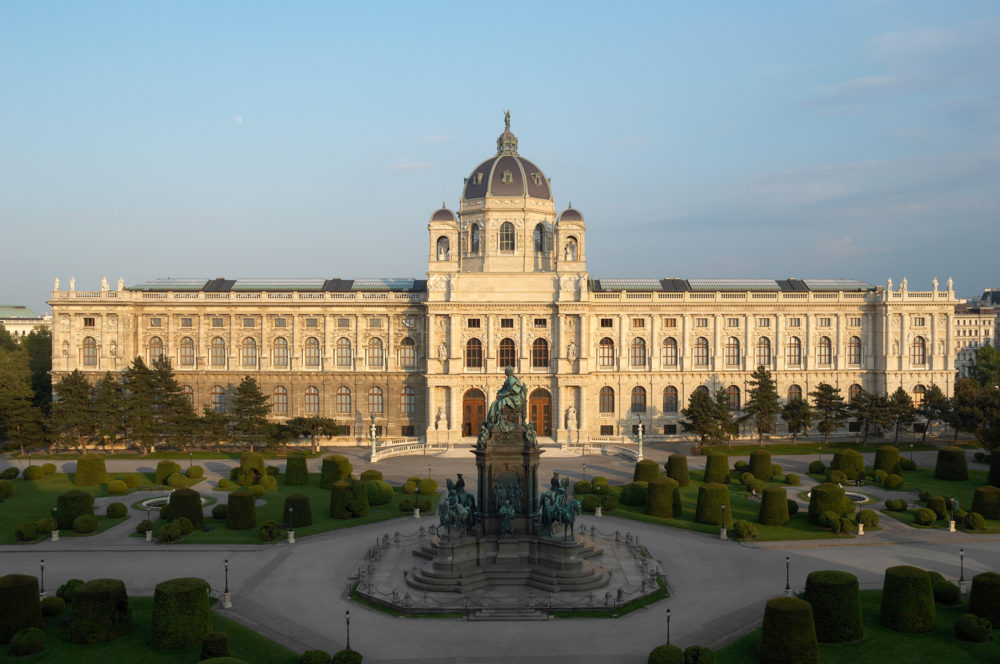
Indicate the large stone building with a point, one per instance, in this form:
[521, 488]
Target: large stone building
[20, 321]
[507, 284]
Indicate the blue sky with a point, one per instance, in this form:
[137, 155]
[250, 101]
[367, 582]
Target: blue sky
[809, 139]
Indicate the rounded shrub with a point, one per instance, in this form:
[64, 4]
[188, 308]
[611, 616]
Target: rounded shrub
[716, 468]
[185, 525]
[177, 481]
[817, 468]
[609, 503]
[907, 600]
[773, 507]
[880, 475]
[711, 498]
[269, 531]
[951, 465]
[9, 473]
[6, 489]
[756, 486]
[634, 493]
[371, 474]
[269, 483]
[974, 521]
[100, 612]
[826, 497]
[379, 492]
[169, 532]
[791, 479]
[223, 660]
[677, 469]
[970, 627]
[893, 482]
[195, 472]
[314, 657]
[71, 504]
[760, 465]
[214, 644]
[348, 500]
[427, 486]
[414, 479]
[887, 459]
[165, 469]
[117, 487]
[426, 505]
[776, 469]
[788, 634]
[793, 507]
[589, 503]
[699, 655]
[68, 590]
[745, 477]
[744, 529]
[660, 497]
[984, 596]
[849, 462]
[836, 476]
[226, 485]
[579, 488]
[253, 461]
[835, 598]
[256, 490]
[219, 511]
[986, 501]
[599, 485]
[117, 510]
[907, 464]
[925, 516]
[242, 513]
[134, 480]
[85, 523]
[407, 504]
[335, 469]
[346, 657]
[410, 487]
[53, 606]
[26, 532]
[90, 470]
[33, 473]
[296, 471]
[187, 503]
[945, 592]
[939, 505]
[741, 466]
[895, 505]
[272, 471]
[666, 655]
[20, 607]
[181, 613]
[29, 641]
[646, 470]
[868, 518]
[298, 510]
[143, 527]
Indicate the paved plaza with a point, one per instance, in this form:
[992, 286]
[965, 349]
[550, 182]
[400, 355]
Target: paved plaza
[297, 593]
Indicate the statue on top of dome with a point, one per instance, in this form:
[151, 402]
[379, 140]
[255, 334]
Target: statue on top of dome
[506, 120]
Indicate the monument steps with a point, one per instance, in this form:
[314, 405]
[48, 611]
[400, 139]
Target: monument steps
[509, 614]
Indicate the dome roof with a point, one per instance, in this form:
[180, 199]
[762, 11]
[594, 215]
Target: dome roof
[444, 214]
[507, 174]
[569, 214]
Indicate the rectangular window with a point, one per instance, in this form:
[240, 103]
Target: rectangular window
[186, 322]
[154, 322]
[507, 323]
[669, 322]
[375, 323]
[406, 430]
[670, 429]
[607, 429]
[701, 322]
[88, 322]
[279, 322]
[249, 322]
[824, 322]
[541, 322]
[918, 321]
[763, 322]
[854, 427]
[854, 322]
[635, 429]
[794, 322]
[638, 322]
[343, 322]
[472, 322]
[607, 322]
[732, 322]
[312, 322]
[216, 322]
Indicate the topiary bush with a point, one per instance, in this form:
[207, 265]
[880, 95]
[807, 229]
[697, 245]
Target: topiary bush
[177, 481]
[90, 471]
[716, 468]
[187, 503]
[907, 600]
[868, 518]
[939, 505]
[269, 531]
[427, 486]
[407, 504]
[314, 657]
[773, 507]
[298, 510]
[426, 504]
[986, 501]
[666, 655]
[268, 483]
[970, 627]
[185, 525]
[195, 472]
[348, 500]
[242, 476]
[776, 469]
[346, 657]
[26, 532]
[893, 482]
[660, 497]
[951, 465]
[182, 614]
[984, 597]
[33, 473]
[20, 607]
[219, 511]
[100, 612]
[169, 532]
[760, 465]
[788, 634]
[253, 461]
[335, 469]
[117, 487]
[835, 598]
[370, 475]
[745, 477]
[895, 505]
[699, 655]
[826, 497]
[589, 503]
[165, 469]
[849, 462]
[9, 473]
[677, 469]
[634, 493]
[887, 459]
[791, 479]
[53, 606]
[214, 644]
[143, 526]
[85, 523]
[581, 487]
[993, 477]
[793, 507]
[68, 590]
[242, 512]
[646, 470]
[744, 529]
[379, 492]
[599, 485]
[711, 498]
[945, 592]
[29, 641]
[256, 490]
[817, 468]
[925, 517]
[296, 471]
[974, 521]
[134, 480]
[117, 511]
[880, 476]
[907, 464]
[71, 504]
[223, 660]
[836, 476]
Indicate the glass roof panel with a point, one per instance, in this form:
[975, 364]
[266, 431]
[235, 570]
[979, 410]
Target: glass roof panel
[836, 285]
[171, 284]
[628, 284]
[733, 284]
[383, 283]
[281, 284]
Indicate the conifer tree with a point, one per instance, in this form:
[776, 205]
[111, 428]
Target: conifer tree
[20, 420]
[249, 413]
[72, 417]
[830, 409]
[900, 412]
[762, 404]
[174, 414]
[798, 415]
[312, 427]
[109, 409]
[935, 408]
[140, 418]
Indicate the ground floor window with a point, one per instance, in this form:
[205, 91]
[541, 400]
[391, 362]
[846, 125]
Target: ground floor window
[670, 429]
[854, 427]
[406, 430]
[607, 429]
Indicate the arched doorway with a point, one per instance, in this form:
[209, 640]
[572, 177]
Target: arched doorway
[540, 411]
[473, 412]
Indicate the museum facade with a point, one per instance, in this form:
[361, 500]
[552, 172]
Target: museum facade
[507, 285]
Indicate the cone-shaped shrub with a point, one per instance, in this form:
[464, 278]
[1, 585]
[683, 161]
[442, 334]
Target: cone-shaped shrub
[835, 598]
[788, 635]
[634, 493]
[986, 499]
[951, 465]
[717, 468]
[379, 492]
[182, 614]
[298, 511]
[760, 465]
[90, 470]
[677, 469]
[71, 504]
[940, 507]
[887, 458]
[773, 507]
[187, 502]
[335, 468]
[646, 470]
[242, 513]
[660, 497]
[165, 469]
[711, 498]
[907, 600]
[348, 500]
[994, 475]
[849, 462]
[678, 507]
[984, 597]
[214, 644]
[826, 497]
[100, 612]
[20, 607]
[296, 471]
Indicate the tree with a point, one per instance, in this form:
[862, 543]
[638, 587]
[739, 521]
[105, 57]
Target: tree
[985, 369]
[312, 427]
[72, 417]
[20, 420]
[212, 427]
[701, 417]
[173, 413]
[278, 435]
[830, 409]
[109, 409]
[762, 404]
[38, 345]
[7, 342]
[798, 415]
[249, 413]
[988, 432]
[936, 407]
[900, 411]
[871, 412]
[140, 417]
[965, 414]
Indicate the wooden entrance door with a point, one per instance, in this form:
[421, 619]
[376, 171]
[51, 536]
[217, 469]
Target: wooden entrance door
[473, 412]
[540, 411]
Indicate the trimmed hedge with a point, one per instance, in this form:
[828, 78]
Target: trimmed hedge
[887, 459]
[945, 592]
[169, 532]
[788, 634]
[716, 468]
[71, 504]
[348, 499]
[187, 503]
[969, 627]
[699, 655]
[298, 510]
[711, 498]
[53, 606]
[986, 501]
[314, 657]
[100, 612]
[214, 644]
[646, 470]
[6, 489]
[195, 472]
[760, 465]
[773, 507]
[907, 464]
[33, 473]
[939, 505]
[165, 469]
[371, 474]
[134, 480]
[90, 471]
[182, 614]
[26, 532]
[29, 641]
[269, 531]
[219, 511]
[296, 471]
[678, 505]
[253, 461]
[117, 511]
[791, 479]
[893, 482]
[335, 469]
[817, 468]
[634, 493]
[925, 516]
[666, 655]
[993, 477]
[677, 469]
[19, 605]
[849, 462]
[826, 497]
[974, 521]
[868, 518]
[744, 529]
[379, 492]
[951, 465]
[68, 590]
[117, 487]
[660, 496]
[9, 473]
[224, 660]
[581, 487]
[907, 600]
[835, 598]
[242, 512]
[427, 486]
[589, 503]
[177, 481]
[984, 597]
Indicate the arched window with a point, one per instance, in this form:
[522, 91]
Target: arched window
[408, 401]
[701, 352]
[763, 358]
[407, 353]
[638, 399]
[733, 397]
[606, 353]
[280, 352]
[539, 353]
[703, 389]
[607, 400]
[312, 352]
[375, 357]
[793, 352]
[474, 241]
[344, 400]
[823, 351]
[249, 354]
[918, 395]
[155, 349]
[918, 351]
[375, 400]
[507, 236]
[187, 352]
[443, 251]
[670, 399]
[670, 352]
[344, 352]
[637, 352]
[854, 350]
[474, 353]
[541, 246]
[89, 352]
[794, 392]
[508, 353]
[217, 352]
[854, 393]
[218, 399]
[188, 393]
[279, 401]
[312, 401]
[732, 352]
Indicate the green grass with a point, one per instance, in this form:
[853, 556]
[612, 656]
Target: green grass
[909, 518]
[624, 609]
[813, 447]
[40, 458]
[880, 644]
[243, 643]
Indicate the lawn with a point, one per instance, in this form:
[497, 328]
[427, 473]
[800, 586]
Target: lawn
[880, 644]
[38, 458]
[243, 643]
[813, 447]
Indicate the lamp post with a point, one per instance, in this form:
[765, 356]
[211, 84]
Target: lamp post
[819, 453]
[55, 530]
[961, 577]
[149, 526]
[722, 526]
[639, 431]
[190, 459]
[954, 505]
[428, 470]
[347, 618]
[584, 472]
[668, 627]
[788, 585]
[911, 451]
[227, 599]
[41, 591]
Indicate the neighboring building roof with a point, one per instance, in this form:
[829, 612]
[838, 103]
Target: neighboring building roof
[444, 214]
[284, 284]
[990, 296]
[16, 311]
[569, 214]
[737, 285]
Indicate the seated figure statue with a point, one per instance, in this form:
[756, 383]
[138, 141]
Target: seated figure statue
[510, 395]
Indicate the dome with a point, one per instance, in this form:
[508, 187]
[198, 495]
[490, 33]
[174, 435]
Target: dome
[444, 214]
[569, 214]
[507, 174]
